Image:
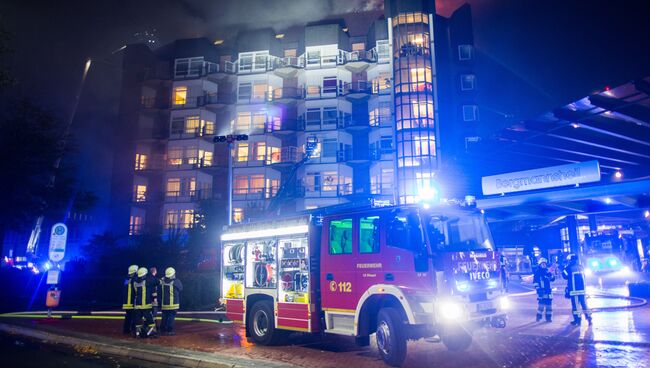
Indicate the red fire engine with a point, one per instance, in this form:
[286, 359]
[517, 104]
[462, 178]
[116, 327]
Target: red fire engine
[397, 272]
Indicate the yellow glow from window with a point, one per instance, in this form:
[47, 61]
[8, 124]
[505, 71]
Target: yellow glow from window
[180, 96]
[237, 215]
[242, 152]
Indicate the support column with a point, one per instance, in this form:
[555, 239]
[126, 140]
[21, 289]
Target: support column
[593, 225]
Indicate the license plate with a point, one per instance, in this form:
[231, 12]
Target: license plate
[484, 306]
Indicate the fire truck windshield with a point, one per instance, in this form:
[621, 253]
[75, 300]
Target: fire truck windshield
[464, 232]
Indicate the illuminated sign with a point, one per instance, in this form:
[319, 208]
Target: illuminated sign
[58, 239]
[549, 177]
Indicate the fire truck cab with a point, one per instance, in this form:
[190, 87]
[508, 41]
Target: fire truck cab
[397, 272]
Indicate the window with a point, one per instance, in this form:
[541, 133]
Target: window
[465, 52]
[206, 158]
[329, 84]
[358, 46]
[470, 113]
[259, 120]
[424, 146]
[244, 91]
[175, 156]
[188, 67]
[245, 62]
[329, 115]
[186, 218]
[422, 109]
[135, 225]
[259, 151]
[140, 161]
[257, 183]
[241, 184]
[381, 84]
[180, 95]
[419, 79]
[140, 193]
[178, 124]
[290, 53]
[208, 127]
[386, 144]
[260, 60]
[171, 219]
[467, 82]
[340, 235]
[173, 187]
[313, 57]
[192, 124]
[243, 122]
[330, 181]
[312, 117]
[329, 147]
[237, 215]
[259, 90]
[242, 152]
[369, 234]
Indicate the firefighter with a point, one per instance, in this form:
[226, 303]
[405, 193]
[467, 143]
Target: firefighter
[542, 281]
[504, 273]
[143, 285]
[574, 274]
[128, 297]
[170, 293]
[155, 306]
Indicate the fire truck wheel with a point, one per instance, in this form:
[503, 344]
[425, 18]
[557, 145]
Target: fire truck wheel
[261, 324]
[391, 337]
[457, 340]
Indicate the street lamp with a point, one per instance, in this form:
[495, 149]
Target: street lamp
[230, 138]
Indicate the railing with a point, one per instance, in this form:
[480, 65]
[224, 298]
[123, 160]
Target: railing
[146, 197]
[381, 188]
[325, 190]
[381, 154]
[190, 133]
[188, 195]
[266, 192]
[285, 93]
[156, 163]
[381, 121]
[325, 124]
[331, 157]
[286, 155]
[195, 71]
[202, 100]
[281, 125]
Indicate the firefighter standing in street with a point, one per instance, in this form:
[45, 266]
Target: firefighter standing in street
[504, 273]
[575, 276]
[143, 309]
[170, 293]
[542, 281]
[155, 306]
[128, 298]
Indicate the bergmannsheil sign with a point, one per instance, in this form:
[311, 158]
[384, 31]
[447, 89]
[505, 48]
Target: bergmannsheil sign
[548, 177]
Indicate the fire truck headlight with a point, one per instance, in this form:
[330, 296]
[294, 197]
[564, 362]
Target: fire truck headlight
[492, 283]
[588, 272]
[625, 270]
[613, 262]
[504, 302]
[462, 286]
[450, 311]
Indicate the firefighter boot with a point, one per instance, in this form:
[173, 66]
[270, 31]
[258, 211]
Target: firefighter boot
[588, 317]
[576, 321]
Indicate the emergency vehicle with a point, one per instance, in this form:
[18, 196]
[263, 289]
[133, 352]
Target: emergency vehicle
[399, 272]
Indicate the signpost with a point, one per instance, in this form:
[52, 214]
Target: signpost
[58, 239]
[548, 177]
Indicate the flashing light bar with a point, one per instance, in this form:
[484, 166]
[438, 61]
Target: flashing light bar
[267, 233]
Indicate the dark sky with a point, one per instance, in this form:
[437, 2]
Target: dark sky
[559, 50]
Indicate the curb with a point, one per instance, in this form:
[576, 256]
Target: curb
[173, 357]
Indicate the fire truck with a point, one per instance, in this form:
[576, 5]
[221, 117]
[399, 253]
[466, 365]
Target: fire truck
[399, 272]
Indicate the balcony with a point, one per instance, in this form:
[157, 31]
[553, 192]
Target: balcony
[146, 198]
[331, 157]
[202, 69]
[320, 92]
[285, 95]
[325, 124]
[155, 163]
[381, 154]
[188, 195]
[246, 194]
[284, 126]
[193, 163]
[191, 133]
[324, 190]
[214, 100]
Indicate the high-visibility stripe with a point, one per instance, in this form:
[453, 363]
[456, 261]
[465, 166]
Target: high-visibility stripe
[170, 307]
[129, 302]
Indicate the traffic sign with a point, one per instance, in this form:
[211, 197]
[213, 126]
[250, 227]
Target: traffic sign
[58, 238]
[53, 276]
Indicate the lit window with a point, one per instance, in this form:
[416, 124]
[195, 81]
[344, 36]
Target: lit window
[257, 183]
[180, 95]
[467, 82]
[424, 146]
[140, 193]
[173, 187]
[470, 113]
[312, 91]
[243, 122]
[135, 225]
[175, 156]
[419, 78]
[191, 156]
[259, 90]
[358, 46]
[237, 215]
[421, 110]
[381, 84]
[259, 120]
[242, 152]
[290, 53]
[192, 124]
[330, 181]
[260, 151]
[140, 161]
[171, 219]
[241, 184]
[208, 127]
[186, 218]
[465, 52]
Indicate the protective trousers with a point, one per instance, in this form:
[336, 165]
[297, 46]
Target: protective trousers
[542, 305]
[167, 323]
[148, 328]
[579, 299]
[128, 321]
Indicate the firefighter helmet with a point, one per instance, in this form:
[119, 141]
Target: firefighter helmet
[133, 269]
[142, 272]
[170, 272]
[542, 260]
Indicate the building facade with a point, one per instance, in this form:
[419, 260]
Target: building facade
[331, 116]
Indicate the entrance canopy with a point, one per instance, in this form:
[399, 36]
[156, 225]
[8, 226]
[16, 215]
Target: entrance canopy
[625, 198]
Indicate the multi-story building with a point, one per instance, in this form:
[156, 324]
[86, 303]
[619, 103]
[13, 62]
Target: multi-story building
[331, 116]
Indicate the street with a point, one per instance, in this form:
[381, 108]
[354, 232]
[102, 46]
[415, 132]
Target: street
[619, 337]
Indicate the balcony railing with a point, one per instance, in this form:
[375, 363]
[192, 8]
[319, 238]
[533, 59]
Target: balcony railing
[196, 70]
[254, 193]
[190, 133]
[188, 195]
[282, 125]
[325, 190]
[325, 124]
[202, 100]
[283, 93]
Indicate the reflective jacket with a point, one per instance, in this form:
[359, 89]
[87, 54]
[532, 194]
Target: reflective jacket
[143, 290]
[575, 276]
[542, 281]
[170, 292]
[128, 294]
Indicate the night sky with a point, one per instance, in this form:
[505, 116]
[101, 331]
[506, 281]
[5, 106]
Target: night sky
[559, 50]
